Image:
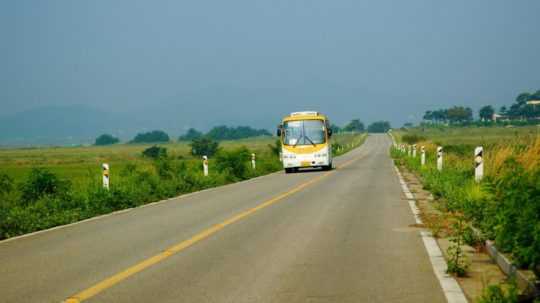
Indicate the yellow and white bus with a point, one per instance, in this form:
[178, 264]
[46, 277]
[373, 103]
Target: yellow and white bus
[305, 141]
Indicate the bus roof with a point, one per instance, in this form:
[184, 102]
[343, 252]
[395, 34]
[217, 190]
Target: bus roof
[306, 115]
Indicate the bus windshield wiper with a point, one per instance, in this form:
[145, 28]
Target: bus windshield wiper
[298, 140]
[309, 140]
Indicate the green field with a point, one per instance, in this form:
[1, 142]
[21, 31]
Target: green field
[82, 164]
[473, 135]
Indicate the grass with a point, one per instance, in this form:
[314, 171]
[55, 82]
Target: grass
[81, 164]
[506, 204]
[473, 135]
[46, 187]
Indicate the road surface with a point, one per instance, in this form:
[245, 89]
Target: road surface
[339, 236]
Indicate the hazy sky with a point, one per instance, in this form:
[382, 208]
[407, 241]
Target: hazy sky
[250, 62]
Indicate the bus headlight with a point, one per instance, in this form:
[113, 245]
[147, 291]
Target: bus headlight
[321, 155]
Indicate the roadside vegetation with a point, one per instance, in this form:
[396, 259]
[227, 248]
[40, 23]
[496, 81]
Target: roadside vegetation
[504, 206]
[45, 187]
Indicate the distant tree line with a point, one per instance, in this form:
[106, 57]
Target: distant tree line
[106, 139]
[354, 126]
[523, 109]
[222, 132]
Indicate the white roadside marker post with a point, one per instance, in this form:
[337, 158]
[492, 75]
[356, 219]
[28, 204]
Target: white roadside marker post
[205, 165]
[105, 168]
[410, 151]
[478, 163]
[423, 156]
[253, 161]
[414, 151]
[439, 158]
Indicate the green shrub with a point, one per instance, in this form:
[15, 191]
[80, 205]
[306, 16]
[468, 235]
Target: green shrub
[496, 294]
[6, 183]
[41, 182]
[204, 147]
[234, 162]
[155, 152]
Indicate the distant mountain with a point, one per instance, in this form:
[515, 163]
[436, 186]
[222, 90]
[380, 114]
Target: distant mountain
[62, 125]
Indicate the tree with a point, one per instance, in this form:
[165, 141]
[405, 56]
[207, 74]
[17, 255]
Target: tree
[106, 139]
[223, 132]
[354, 126]
[155, 136]
[190, 135]
[379, 127]
[204, 147]
[155, 152]
[459, 114]
[335, 129]
[486, 113]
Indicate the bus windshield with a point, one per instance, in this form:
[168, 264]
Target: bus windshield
[305, 132]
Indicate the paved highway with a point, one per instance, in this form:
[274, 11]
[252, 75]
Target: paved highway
[339, 236]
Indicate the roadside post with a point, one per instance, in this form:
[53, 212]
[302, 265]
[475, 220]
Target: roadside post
[478, 163]
[105, 168]
[253, 161]
[409, 150]
[205, 165]
[423, 156]
[414, 150]
[439, 158]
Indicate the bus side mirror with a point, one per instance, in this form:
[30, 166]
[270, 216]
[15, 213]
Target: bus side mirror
[330, 132]
[278, 132]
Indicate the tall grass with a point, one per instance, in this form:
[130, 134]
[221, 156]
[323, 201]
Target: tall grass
[505, 205]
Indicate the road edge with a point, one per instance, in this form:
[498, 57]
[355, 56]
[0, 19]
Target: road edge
[451, 289]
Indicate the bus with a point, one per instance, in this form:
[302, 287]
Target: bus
[305, 141]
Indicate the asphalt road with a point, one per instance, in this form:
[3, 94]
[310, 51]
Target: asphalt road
[339, 236]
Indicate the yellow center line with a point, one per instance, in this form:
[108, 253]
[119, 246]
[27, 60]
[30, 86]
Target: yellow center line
[118, 277]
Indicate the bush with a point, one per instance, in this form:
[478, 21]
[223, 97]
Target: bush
[234, 162]
[41, 182]
[495, 294]
[106, 139]
[155, 152]
[6, 183]
[204, 147]
[151, 137]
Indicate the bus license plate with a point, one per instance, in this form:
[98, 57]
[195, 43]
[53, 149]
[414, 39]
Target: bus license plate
[306, 163]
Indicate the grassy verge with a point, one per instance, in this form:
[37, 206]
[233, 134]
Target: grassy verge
[44, 188]
[505, 206]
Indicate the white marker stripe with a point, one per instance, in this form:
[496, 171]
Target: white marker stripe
[451, 289]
